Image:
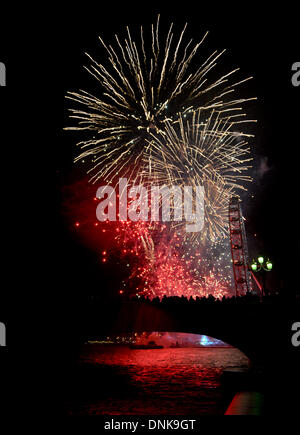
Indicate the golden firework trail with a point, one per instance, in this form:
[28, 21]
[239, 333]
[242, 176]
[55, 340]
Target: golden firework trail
[144, 88]
[198, 152]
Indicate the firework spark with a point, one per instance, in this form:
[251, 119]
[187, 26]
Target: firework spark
[163, 264]
[152, 259]
[199, 152]
[142, 87]
[158, 118]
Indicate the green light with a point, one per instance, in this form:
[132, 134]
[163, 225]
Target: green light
[254, 267]
[261, 260]
[269, 265]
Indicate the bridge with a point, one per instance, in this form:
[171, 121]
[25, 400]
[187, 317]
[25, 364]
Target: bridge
[260, 330]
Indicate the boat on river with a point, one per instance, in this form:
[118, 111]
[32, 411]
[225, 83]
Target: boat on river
[150, 345]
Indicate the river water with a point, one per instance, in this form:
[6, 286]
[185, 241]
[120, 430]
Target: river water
[117, 380]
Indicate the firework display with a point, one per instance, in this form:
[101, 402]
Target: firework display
[140, 90]
[153, 260]
[168, 267]
[199, 152]
[157, 118]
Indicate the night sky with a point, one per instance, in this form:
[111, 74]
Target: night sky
[50, 62]
[46, 270]
[260, 50]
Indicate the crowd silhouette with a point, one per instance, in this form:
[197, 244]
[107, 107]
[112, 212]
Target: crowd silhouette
[249, 298]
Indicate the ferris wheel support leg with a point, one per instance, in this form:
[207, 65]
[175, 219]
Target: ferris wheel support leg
[257, 283]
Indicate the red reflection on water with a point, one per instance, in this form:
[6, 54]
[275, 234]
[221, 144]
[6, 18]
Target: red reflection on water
[170, 381]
